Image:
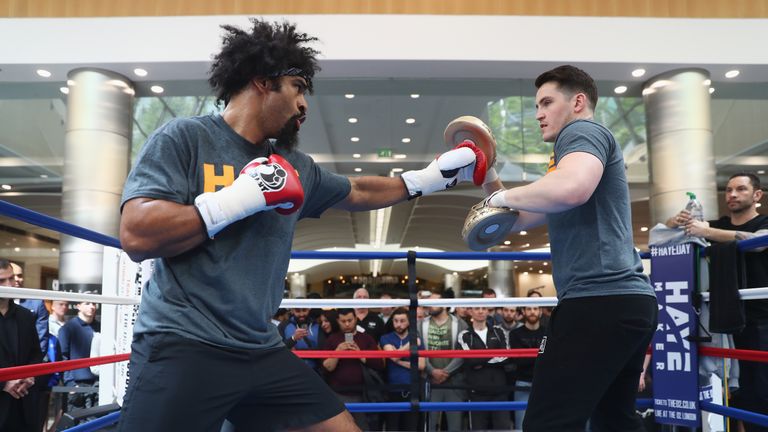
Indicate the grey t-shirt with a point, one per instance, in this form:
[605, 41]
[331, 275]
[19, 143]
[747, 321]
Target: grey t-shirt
[224, 291]
[592, 245]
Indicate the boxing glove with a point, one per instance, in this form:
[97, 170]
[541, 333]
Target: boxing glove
[465, 162]
[263, 184]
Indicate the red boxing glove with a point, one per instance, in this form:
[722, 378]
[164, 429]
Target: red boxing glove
[279, 181]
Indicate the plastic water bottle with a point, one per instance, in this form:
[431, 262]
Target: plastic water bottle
[694, 207]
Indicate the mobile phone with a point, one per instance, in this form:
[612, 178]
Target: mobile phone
[303, 326]
[349, 338]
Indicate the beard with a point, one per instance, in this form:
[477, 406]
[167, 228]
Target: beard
[435, 311]
[288, 137]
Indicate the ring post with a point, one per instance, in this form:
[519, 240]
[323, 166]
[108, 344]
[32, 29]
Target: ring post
[675, 356]
[413, 332]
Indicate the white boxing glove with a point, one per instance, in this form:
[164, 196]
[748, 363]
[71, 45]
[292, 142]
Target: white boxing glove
[263, 184]
[465, 162]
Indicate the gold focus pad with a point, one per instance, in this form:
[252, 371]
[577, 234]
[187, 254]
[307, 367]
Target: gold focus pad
[486, 227]
[473, 129]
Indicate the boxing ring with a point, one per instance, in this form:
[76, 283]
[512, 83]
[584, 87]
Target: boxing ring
[415, 404]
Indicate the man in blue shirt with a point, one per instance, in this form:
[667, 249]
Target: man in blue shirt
[399, 371]
[75, 339]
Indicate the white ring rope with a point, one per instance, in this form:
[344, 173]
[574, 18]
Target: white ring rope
[37, 294]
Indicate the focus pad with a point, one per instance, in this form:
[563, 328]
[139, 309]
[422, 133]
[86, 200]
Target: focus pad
[486, 227]
[473, 129]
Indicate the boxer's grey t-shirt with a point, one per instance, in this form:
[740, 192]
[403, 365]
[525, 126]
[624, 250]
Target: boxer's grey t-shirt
[224, 291]
[592, 245]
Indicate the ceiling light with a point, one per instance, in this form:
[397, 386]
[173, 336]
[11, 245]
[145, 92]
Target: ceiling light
[352, 120]
[53, 249]
[406, 140]
[643, 229]
[637, 73]
[547, 245]
[707, 82]
[525, 273]
[732, 73]
[415, 95]
[507, 242]
[349, 96]
[356, 155]
[64, 90]
[526, 245]
[761, 171]
[17, 249]
[43, 73]
[711, 90]
[358, 170]
[541, 271]
[545, 263]
[410, 120]
[43, 175]
[530, 268]
[523, 232]
[355, 139]
[140, 72]
[157, 89]
[620, 89]
[397, 170]
[400, 156]
[6, 187]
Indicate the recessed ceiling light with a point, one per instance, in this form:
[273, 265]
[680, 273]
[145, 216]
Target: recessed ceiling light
[17, 249]
[526, 245]
[356, 155]
[70, 83]
[620, 89]
[352, 120]
[53, 249]
[525, 273]
[732, 73]
[64, 90]
[637, 73]
[400, 156]
[410, 120]
[711, 90]
[406, 140]
[530, 268]
[415, 95]
[545, 263]
[761, 171]
[43, 73]
[349, 96]
[507, 242]
[157, 89]
[140, 72]
[397, 170]
[523, 232]
[541, 271]
[355, 139]
[43, 175]
[6, 187]
[643, 229]
[358, 169]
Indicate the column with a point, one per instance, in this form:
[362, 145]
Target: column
[680, 143]
[97, 153]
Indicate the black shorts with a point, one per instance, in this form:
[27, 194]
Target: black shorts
[591, 364]
[179, 384]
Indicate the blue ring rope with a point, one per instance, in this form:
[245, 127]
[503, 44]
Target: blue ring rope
[96, 424]
[748, 416]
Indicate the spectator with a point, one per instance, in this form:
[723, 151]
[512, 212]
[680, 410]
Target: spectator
[371, 323]
[37, 307]
[300, 333]
[58, 317]
[510, 320]
[545, 311]
[279, 316]
[75, 339]
[345, 376]
[494, 318]
[399, 372]
[486, 375]
[742, 193]
[328, 321]
[440, 331]
[463, 313]
[527, 336]
[19, 345]
[386, 311]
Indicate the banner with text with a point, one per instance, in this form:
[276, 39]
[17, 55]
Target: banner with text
[675, 360]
